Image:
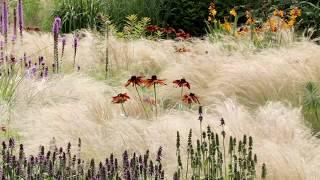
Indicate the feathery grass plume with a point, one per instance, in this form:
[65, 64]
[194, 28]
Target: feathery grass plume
[56, 30]
[5, 21]
[121, 99]
[75, 48]
[136, 81]
[20, 17]
[153, 82]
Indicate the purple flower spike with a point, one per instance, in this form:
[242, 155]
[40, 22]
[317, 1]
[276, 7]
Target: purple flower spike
[5, 19]
[55, 30]
[64, 40]
[75, 42]
[75, 46]
[20, 16]
[56, 25]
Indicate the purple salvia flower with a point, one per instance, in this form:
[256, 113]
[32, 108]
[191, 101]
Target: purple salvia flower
[5, 20]
[20, 16]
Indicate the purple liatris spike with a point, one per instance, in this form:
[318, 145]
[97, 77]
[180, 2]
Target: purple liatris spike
[56, 25]
[5, 20]
[46, 71]
[20, 16]
[15, 22]
[75, 46]
[55, 30]
[1, 51]
[64, 41]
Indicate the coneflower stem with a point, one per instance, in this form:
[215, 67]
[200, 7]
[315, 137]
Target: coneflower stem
[182, 92]
[155, 98]
[124, 111]
[144, 108]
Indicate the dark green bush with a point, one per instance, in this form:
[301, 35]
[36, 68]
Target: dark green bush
[189, 15]
[310, 16]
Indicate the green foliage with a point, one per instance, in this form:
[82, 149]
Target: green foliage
[78, 14]
[310, 16]
[189, 15]
[134, 27]
[311, 105]
[8, 85]
[118, 10]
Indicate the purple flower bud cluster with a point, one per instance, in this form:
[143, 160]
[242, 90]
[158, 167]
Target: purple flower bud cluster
[20, 16]
[35, 70]
[5, 20]
[56, 26]
[75, 47]
[58, 163]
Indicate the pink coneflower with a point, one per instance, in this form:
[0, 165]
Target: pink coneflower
[120, 99]
[152, 28]
[182, 83]
[191, 98]
[152, 82]
[136, 81]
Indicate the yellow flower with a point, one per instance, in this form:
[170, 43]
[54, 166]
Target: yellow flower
[209, 19]
[291, 23]
[273, 25]
[227, 26]
[279, 13]
[295, 12]
[250, 21]
[213, 12]
[233, 12]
